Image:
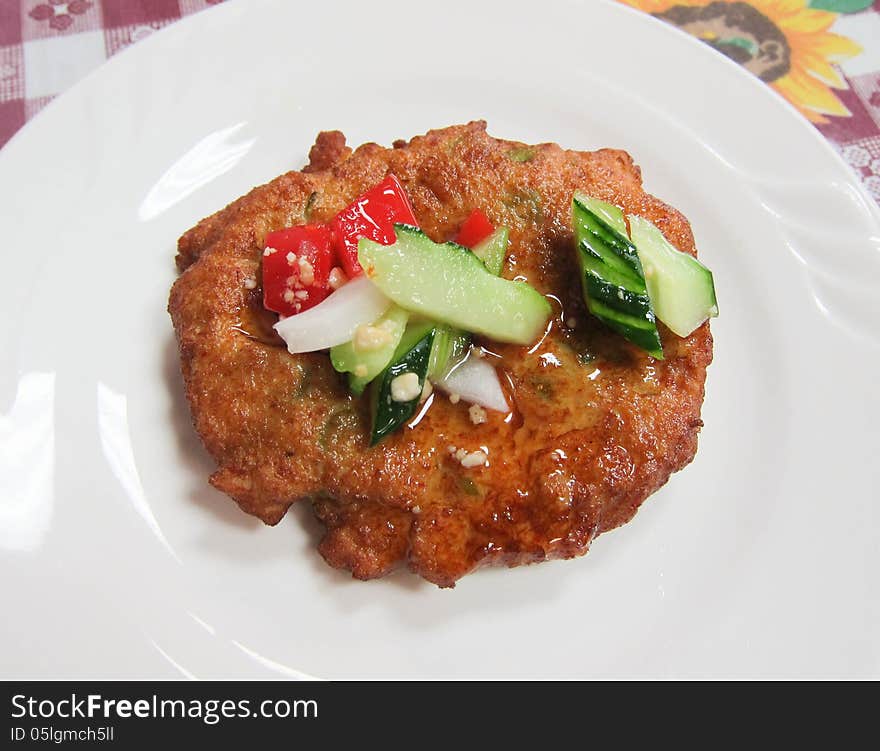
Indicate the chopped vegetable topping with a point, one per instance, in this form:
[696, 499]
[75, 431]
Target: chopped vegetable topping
[307, 272]
[475, 229]
[372, 339]
[633, 276]
[476, 381]
[394, 396]
[477, 414]
[474, 459]
[365, 364]
[470, 298]
[612, 278]
[493, 250]
[368, 338]
[337, 277]
[468, 459]
[335, 319]
[405, 387]
[681, 288]
[296, 268]
[372, 215]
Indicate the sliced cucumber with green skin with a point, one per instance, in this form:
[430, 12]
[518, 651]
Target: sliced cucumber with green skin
[364, 365]
[601, 290]
[451, 344]
[611, 274]
[638, 330]
[681, 288]
[411, 356]
[493, 250]
[614, 247]
[450, 347]
[607, 212]
[450, 284]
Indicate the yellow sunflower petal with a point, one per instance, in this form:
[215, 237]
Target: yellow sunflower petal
[822, 69]
[813, 117]
[649, 6]
[794, 16]
[835, 47]
[804, 90]
[814, 50]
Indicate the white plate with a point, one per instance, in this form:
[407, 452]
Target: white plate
[760, 559]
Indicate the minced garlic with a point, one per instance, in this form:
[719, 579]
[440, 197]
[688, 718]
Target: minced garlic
[477, 414]
[337, 277]
[405, 387]
[367, 338]
[474, 459]
[306, 272]
[468, 459]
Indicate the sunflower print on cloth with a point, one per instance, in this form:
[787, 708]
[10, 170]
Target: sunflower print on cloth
[786, 43]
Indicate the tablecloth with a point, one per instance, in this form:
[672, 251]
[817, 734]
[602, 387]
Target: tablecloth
[823, 56]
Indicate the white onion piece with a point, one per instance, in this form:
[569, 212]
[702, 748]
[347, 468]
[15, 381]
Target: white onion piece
[333, 320]
[475, 381]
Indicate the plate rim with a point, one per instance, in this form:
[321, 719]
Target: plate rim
[145, 48]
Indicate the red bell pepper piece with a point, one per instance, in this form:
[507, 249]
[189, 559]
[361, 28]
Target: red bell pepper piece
[372, 215]
[296, 268]
[475, 229]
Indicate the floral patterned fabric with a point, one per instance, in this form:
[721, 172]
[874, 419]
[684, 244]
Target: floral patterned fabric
[823, 56]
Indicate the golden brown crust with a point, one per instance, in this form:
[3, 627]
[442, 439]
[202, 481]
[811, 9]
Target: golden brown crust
[329, 149]
[598, 425]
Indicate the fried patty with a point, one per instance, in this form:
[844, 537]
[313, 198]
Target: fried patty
[597, 425]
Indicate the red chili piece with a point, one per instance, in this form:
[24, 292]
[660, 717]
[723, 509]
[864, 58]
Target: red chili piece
[475, 229]
[372, 215]
[296, 268]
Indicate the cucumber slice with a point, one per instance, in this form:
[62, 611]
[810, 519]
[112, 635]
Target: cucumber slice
[450, 284]
[611, 274]
[599, 289]
[616, 248]
[589, 260]
[593, 245]
[364, 364]
[681, 288]
[450, 347]
[638, 330]
[450, 344]
[411, 356]
[493, 250]
[607, 212]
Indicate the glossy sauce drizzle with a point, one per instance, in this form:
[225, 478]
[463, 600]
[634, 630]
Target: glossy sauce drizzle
[256, 323]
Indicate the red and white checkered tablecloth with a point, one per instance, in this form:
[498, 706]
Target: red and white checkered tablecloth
[46, 46]
[821, 55]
